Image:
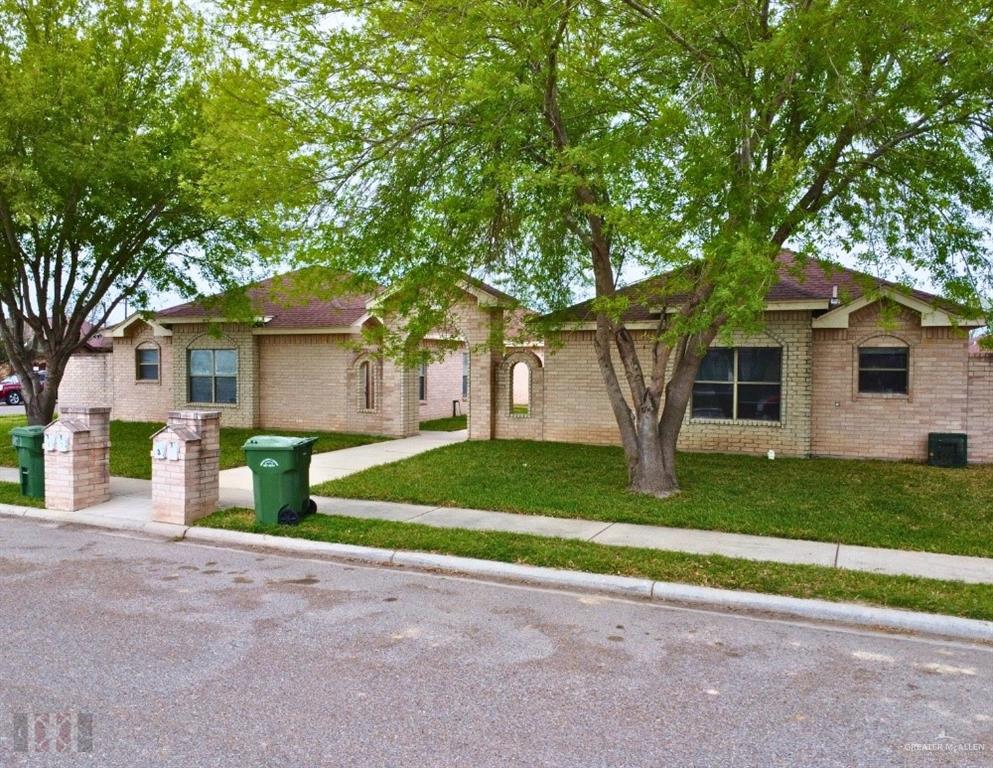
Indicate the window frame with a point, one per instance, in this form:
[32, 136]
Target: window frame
[465, 375]
[422, 383]
[367, 387]
[214, 376]
[138, 364]
[902, 348]
[735, 382]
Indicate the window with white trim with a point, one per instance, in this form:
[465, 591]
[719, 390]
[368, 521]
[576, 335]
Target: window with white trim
[422, 382]
[739, 383]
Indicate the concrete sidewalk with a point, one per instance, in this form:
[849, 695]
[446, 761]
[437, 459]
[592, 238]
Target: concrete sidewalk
[335, 464]
[130, 506]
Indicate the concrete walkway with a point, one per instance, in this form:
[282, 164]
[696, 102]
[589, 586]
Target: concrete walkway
[335, 464]
[130, 506]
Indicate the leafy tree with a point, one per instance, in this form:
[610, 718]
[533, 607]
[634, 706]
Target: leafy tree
[562, 141]
[112, 181]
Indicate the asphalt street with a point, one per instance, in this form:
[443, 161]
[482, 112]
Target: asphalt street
[155, 653]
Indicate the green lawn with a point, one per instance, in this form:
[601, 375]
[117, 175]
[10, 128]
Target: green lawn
[448, 424]
[130, 444]
[882, 504]
[8, 458]
[10, 493]
[970, 600]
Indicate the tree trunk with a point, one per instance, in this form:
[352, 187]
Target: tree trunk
[40, 407]
[652, 470]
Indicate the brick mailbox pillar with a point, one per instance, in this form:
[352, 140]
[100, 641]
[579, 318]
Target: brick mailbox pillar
[185, 465]
[77, 458]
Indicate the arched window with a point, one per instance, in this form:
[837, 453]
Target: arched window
[520, 389]
[367, 394]
[146, 362]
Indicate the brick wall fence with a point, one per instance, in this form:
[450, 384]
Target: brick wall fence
[88, 380]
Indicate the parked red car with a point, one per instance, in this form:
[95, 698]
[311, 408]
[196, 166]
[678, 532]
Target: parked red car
[10, 389]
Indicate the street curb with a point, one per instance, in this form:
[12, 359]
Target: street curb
[707, 598]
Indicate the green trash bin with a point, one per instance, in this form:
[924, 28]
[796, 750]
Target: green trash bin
[27, 441]
[280, 477]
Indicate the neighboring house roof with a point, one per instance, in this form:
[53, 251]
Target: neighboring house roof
[98, 342]
[799, 283]
[282, 301]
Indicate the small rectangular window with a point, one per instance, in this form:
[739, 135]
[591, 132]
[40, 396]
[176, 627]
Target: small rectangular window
[465, 375]
[147, 364]
[422, 382]
[213, 376]
[883, 370]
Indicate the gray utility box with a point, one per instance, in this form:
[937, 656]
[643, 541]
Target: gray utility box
[947, 449]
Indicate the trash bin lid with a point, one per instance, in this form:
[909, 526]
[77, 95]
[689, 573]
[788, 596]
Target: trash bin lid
[275, 442]
[31, 431]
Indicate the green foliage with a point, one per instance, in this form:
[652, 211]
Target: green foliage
[118, 135]
[450, 136]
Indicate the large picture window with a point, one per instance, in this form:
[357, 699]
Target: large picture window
[744, 383]
[213, 376]
[883, 370]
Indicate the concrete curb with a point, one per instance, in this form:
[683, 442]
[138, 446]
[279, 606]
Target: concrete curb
[622, 586]
[619, 586]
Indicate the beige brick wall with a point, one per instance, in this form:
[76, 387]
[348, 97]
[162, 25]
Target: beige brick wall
[77, 458]
[185, 471]
[141, 400]
[243, 413]
[576, 408]
[303, 380]
[444, 384]
[88, 380]
[520, 378]
[980, 415]
[847, 423]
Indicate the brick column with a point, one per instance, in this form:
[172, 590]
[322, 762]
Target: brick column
[77, 458]
[484, 333]
[185, 466]
[398, 401]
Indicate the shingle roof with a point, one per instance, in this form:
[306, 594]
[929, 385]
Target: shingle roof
[797, 281]
[284, 299]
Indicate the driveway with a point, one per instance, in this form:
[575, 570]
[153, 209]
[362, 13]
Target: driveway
[173, 654]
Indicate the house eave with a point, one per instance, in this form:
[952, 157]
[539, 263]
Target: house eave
[931, 316]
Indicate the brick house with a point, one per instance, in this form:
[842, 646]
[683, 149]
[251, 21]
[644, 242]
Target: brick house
[836, 369]
[832, 372]
[301, 363]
